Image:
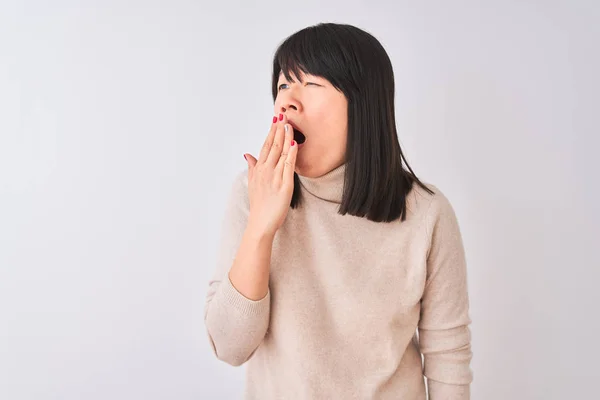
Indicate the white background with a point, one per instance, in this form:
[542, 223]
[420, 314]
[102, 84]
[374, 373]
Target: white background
[122, 125]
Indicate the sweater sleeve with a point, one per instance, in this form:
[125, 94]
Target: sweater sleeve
[235, 324]
[444, 334]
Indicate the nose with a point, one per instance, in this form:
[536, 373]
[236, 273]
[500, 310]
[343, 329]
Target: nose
[287, 103]
[287, 107]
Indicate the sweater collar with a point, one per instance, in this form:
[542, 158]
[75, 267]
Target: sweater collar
[329, 186]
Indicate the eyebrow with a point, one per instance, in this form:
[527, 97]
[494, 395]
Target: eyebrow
[281, 74]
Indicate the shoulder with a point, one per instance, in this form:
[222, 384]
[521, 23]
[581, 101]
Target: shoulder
[238, 193]
[240, 181]
[428, 206]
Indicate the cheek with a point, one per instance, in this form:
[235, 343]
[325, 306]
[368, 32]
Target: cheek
[338, 111]
[338, 122]
[331, 117]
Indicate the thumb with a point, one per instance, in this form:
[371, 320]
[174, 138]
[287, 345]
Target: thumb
[250, 160]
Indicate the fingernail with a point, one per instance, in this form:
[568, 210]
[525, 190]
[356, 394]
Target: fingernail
[281, 117]
[274, 119]
[285, 128]
[293, 142]
[245, 157]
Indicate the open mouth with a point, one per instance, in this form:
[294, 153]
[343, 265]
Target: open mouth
[299, 136]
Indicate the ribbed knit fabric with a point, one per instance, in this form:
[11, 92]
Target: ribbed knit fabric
[346, 297]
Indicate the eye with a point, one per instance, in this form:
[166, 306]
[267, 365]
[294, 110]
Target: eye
[308, 83]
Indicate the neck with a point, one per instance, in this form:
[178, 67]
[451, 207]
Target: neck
[329, 186]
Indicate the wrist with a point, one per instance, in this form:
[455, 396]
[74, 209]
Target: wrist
[259, 233]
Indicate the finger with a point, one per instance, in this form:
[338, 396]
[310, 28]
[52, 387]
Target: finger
[251, 164]
[266, 148]
[251, 160]
[287, 143]
[290, 165]
[277, 145]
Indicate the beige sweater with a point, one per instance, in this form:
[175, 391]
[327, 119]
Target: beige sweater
[346, 296]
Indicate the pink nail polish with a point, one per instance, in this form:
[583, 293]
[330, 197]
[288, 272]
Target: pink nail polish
[281, 117]
[274, 119]
[293, 142]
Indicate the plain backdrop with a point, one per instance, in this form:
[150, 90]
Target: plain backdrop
[122, 125]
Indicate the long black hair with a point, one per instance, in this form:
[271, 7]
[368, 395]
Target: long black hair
[376, 182]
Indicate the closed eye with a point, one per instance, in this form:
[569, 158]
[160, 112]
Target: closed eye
[308, 83]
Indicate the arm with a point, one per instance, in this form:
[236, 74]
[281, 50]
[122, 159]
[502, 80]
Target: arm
[237, 305]
[444, 334]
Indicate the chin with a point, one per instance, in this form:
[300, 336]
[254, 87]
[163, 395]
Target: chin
[300, 169]
[308, 166]
[304, 170]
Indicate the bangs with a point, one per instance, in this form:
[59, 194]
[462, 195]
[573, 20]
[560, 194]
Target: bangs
[309, 52]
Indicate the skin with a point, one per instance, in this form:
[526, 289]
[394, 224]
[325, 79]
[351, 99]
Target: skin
[320, 111]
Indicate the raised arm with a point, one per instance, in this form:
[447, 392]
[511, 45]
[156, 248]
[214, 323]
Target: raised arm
[237, 306]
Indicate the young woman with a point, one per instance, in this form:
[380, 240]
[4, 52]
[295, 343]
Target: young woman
[339, 268]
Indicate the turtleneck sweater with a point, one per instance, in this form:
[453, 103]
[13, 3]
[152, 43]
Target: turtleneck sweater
[355, 309]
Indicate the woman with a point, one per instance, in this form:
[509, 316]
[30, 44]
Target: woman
[338, 267]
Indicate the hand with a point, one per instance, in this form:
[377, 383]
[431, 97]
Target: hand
[271, 179]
